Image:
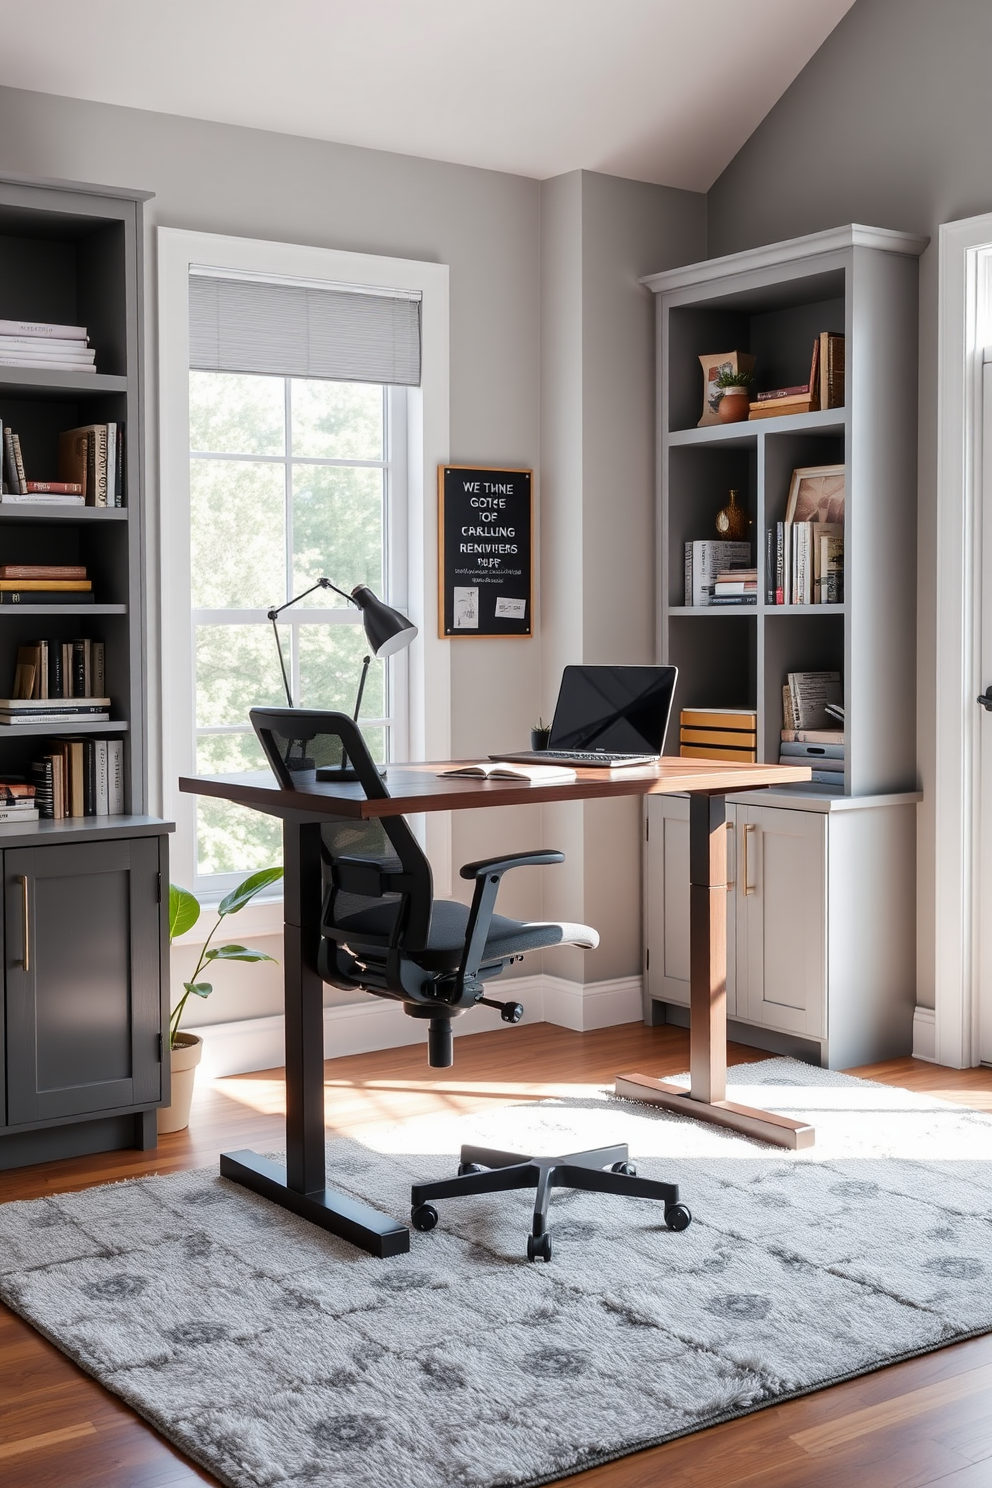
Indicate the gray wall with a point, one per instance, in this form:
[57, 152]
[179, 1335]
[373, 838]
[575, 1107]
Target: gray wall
[599, 234]
[886, 125]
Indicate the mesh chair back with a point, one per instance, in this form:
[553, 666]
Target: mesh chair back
[364, 864]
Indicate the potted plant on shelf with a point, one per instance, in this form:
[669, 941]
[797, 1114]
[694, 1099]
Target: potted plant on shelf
[186, 1049]
[735, 404]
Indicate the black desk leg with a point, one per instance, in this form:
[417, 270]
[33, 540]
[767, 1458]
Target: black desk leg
[300, 1185]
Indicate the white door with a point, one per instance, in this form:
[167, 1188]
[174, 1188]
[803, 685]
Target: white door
[781, 919]
[666, 902]
[983, 865]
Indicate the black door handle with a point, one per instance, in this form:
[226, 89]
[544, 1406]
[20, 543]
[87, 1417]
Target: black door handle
[985, 698]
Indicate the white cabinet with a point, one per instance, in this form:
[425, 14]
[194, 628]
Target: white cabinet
[819, 902]
[780, 940]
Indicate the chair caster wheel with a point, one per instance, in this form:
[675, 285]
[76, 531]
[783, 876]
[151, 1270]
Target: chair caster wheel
[539, 1247]
[423, 1217]
[678, 1217]
[626, 1168]
[465, 1169]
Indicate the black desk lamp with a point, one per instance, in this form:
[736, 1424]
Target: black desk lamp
[387, 632]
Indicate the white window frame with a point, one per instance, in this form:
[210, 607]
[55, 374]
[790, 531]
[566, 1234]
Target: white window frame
[964, 329]
[428, 710]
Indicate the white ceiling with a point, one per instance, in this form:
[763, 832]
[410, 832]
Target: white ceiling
[655, 90]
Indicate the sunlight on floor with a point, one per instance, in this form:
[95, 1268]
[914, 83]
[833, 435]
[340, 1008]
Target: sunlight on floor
[390, 1099]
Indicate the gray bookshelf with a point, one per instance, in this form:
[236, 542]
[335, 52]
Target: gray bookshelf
[819, 955]
[82, 1065]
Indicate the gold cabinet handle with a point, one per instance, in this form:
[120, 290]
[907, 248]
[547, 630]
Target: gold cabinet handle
[26, 962]
[730, 829]
[748, 827]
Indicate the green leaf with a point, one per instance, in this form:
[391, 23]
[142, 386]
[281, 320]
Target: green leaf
[184, 911]
[202, 989]
[239, 897]
[236, 953]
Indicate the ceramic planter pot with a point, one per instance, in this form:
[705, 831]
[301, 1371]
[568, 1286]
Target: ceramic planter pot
[185, 1057]
[735, 405]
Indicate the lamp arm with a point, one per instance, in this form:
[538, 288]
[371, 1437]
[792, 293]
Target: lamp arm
[277, 610]
[366, 663]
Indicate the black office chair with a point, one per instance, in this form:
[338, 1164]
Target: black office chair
[383, 932]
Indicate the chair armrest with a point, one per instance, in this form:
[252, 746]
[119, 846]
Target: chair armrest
[541, 858]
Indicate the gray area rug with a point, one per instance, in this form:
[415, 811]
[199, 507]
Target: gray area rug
[275, 1355]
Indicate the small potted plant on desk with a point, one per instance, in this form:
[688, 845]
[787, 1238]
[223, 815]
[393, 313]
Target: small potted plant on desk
[186, 1049]
[735, 404]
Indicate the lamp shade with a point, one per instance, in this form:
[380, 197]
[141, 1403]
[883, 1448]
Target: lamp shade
[387, 630]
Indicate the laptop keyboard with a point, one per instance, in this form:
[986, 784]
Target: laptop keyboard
[597, 757]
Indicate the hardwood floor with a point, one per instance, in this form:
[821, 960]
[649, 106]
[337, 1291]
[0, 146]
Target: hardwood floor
[925, 1422]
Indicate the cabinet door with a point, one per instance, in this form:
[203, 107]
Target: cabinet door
[666, 901]
[82, 978]
[781, 919]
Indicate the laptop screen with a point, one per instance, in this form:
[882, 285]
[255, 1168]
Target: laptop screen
[620, 709]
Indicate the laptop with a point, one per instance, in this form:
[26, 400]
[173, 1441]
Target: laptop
[607, 717]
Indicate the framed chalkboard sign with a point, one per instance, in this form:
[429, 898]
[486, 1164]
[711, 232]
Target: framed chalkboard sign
[486, 541]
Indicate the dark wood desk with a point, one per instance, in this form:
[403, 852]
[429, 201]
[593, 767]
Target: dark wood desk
[300, 1186]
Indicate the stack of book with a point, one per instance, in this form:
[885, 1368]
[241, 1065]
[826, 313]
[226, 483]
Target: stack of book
[59, 671]
[824, 389]
[808, 563]
[93, 458]
[80, 777]
[44, 584]
[17, 488]
[17, 802]
[822, 749]
[707, 561]
[719, 733]
[736, 586]
[53, 348]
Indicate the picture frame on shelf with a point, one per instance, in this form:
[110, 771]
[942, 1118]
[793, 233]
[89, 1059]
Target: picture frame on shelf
[816, 494]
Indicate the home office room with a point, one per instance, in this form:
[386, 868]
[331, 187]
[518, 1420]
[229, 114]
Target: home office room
[495, 780]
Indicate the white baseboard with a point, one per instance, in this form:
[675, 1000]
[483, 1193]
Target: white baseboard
[375, 1023]
[925, 1035]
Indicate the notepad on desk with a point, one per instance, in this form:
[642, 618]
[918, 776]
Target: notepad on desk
[504, 770]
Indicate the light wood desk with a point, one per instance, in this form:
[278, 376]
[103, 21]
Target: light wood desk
[415, 788]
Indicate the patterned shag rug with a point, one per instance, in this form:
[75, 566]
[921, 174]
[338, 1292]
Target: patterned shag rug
[275, 1355]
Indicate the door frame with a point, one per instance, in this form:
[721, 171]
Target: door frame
[964, 322]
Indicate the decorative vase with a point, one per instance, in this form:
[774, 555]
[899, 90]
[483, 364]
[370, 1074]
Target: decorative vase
[735, 405]
[185, 1057]
[539, 738]
[732, 521]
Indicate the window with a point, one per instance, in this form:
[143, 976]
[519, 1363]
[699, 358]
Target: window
[283, 443]
[290, 478]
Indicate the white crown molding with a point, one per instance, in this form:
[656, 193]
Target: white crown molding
[377, 1023]
[772, 254]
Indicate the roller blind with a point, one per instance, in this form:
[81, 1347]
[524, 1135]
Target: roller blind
[303, 330]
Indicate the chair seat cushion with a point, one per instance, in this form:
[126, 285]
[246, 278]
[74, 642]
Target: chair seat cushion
[449, 922]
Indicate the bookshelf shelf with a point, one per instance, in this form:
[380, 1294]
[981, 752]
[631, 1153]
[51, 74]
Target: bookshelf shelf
[71, 726]
[41, 384]
[37, 513]
[828, 421]
[816, 879]
[12, 611]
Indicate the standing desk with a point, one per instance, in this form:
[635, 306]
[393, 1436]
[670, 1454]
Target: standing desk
[301, 1185]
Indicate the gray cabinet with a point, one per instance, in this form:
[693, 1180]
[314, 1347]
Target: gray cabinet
[82, 979]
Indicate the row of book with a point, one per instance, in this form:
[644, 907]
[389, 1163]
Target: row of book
[80, 777]
[719, 573]
[91, 469]
[45, 345]
[57, 671]
[805, 563]
[824, 389]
